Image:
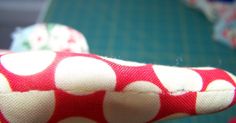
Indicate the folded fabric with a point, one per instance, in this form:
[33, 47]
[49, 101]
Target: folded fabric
[47, 86]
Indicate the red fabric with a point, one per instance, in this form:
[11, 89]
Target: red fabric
[91, 106]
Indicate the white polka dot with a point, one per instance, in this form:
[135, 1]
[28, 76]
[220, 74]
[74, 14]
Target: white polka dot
[27, 63]
[77, 120]
[178, 79]
[84, 75]
[124, 63]
[142, 86]
[27, 107]
[174, 116]
[220, 85]
[203, 68]
[232, 76]
[4, 85]
[219, 95]
[120, 107]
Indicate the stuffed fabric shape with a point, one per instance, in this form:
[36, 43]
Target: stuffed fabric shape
[49, 36]
[47, 86]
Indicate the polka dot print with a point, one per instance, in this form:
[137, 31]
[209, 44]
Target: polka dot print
[181, 79]
[4, 85]
[232, 76]
[142, 86]
[220, 85]
[219, 95]
[63, 87]
[27, 63]
[130, 107]
[27, 107]
[209, 102]
[83, 75]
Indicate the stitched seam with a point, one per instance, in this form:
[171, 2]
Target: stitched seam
[135, 92]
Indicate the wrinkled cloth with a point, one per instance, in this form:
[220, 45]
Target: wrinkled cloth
[47, 86]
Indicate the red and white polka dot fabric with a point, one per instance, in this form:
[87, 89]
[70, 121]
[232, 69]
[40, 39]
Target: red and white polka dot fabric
[47, 86]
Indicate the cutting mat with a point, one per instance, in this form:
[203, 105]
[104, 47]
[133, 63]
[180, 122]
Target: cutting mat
[152, 31]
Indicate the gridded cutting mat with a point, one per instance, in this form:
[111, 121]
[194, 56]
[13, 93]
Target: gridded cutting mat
[152, 31]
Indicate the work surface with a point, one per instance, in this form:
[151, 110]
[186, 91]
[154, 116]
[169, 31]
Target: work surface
[151, 31]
